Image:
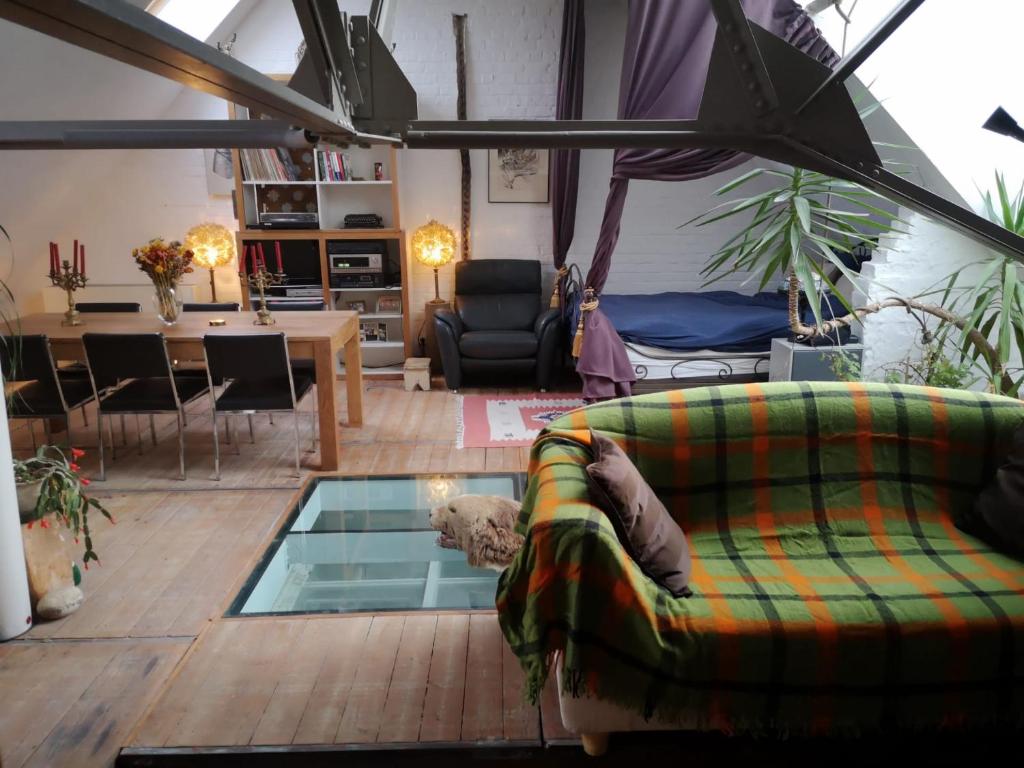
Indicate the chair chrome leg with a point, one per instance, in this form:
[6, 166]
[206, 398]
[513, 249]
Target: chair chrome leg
[85, 416]
[216, 447]
[152, 428]
[124, 432]
[227, 429]
[32, 434]
[138, 429]
[110, 432]
[234, 435]
[99, 435]
[298, 465]
[181, 448]
[271, 418]
[252, 436]
[46, 432]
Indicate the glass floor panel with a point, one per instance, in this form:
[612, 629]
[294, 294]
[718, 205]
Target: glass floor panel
[365, 544]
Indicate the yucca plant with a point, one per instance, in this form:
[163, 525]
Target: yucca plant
[795, 233]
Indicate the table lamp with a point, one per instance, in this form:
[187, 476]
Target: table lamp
[213, 246]
[433, 245]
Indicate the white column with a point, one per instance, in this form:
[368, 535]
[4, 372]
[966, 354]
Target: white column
[15, 607]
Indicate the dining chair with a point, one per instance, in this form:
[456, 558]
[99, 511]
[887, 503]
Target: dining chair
[108, 306]
[28, 360]
[131, 373]
[78, 369]
[256, 377]
[210, 306]
[301, 366]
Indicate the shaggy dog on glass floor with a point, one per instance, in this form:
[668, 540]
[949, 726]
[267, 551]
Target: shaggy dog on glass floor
[482, 527]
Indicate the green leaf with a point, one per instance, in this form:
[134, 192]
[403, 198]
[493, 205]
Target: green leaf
[740, 181]
[803, 212]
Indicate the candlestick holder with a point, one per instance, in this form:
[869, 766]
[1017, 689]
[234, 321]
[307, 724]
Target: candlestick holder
[69, 279]
[261, 279]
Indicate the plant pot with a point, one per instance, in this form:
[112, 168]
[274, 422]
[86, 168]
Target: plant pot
[28, 494]
[48, 560]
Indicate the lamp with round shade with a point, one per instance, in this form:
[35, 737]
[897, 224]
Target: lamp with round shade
[213, 245]
[433, 245]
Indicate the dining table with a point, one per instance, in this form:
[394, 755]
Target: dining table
[316, 335]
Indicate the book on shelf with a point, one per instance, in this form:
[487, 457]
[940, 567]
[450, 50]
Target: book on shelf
[334, 166]
[269, 165]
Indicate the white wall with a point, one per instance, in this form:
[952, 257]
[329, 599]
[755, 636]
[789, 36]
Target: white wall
[511, 72]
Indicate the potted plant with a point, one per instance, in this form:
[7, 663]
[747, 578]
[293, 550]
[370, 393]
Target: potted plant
[792, 231]
[54, 508]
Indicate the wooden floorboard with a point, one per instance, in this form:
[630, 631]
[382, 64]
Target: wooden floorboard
[149, 660]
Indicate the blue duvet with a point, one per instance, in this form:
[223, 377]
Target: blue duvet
[720, 320]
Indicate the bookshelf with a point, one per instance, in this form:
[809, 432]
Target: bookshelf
[297, 180]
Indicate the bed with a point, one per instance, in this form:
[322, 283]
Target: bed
[699, 337]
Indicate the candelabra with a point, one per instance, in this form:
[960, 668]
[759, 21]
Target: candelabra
[261, 279]
[69, 279]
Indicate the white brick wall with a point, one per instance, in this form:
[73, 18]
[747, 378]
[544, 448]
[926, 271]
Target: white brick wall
[511, 72]
[910, 265]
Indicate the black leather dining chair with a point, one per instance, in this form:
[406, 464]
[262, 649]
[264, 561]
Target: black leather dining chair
[210, 306]
[45, 394]
[108, 306]
[131, 373]
[316, 305]
[301, 366]
[500, 323]
[257, 377]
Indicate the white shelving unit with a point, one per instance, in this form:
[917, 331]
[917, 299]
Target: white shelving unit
[334, 199]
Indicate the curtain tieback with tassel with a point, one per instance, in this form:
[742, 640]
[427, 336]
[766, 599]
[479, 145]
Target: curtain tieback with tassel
[563, 271]
[589, 304]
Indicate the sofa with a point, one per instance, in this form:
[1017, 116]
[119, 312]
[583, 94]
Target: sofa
[500, 324]
[833, 593]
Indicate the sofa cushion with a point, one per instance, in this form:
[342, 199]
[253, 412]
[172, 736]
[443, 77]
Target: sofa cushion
[498, 345]
[998, 513]
[647, 531]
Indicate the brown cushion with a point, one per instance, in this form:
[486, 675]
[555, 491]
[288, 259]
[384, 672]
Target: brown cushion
[647, 531]
[998, 513]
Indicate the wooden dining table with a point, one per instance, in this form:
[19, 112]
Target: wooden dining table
[319, 336]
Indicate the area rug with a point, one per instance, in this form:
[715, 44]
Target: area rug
[491, 421]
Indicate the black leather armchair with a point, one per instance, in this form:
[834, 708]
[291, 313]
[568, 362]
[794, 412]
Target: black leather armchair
[500, 323]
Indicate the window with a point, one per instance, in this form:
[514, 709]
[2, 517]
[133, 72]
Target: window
[198, 19]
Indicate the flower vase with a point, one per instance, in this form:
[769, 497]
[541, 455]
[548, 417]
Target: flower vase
[167, 303]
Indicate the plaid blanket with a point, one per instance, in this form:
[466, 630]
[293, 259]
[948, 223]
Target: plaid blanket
[833, 592]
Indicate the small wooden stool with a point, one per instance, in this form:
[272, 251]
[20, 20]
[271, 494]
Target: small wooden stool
[417, 373]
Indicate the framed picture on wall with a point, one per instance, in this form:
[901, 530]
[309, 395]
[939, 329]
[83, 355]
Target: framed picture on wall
[517, 175]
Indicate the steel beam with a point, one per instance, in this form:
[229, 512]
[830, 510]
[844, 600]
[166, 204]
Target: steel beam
[865, 48]
[151, 134]
[121, 31]
[734, 30]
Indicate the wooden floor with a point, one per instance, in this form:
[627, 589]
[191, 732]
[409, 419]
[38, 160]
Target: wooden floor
[149, 661]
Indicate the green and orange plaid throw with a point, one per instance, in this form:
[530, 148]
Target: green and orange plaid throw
[833, 592]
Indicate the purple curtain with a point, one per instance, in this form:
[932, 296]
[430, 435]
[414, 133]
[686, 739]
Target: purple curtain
[664, 67]
[565, 163]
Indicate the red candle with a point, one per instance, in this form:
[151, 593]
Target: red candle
[277, 250]
[82, 249]
[263, 259]
[56, 252]
[75, 256]
[53, 261]
[245, 253]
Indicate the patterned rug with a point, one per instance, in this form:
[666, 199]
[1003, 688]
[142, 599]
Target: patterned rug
[492, 421]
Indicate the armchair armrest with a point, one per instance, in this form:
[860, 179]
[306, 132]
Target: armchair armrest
[448, 329]
[449, 319]
[546, 319]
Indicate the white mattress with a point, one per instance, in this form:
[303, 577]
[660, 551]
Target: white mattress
[655, 363]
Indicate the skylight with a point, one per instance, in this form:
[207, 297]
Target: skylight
[193, 17]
